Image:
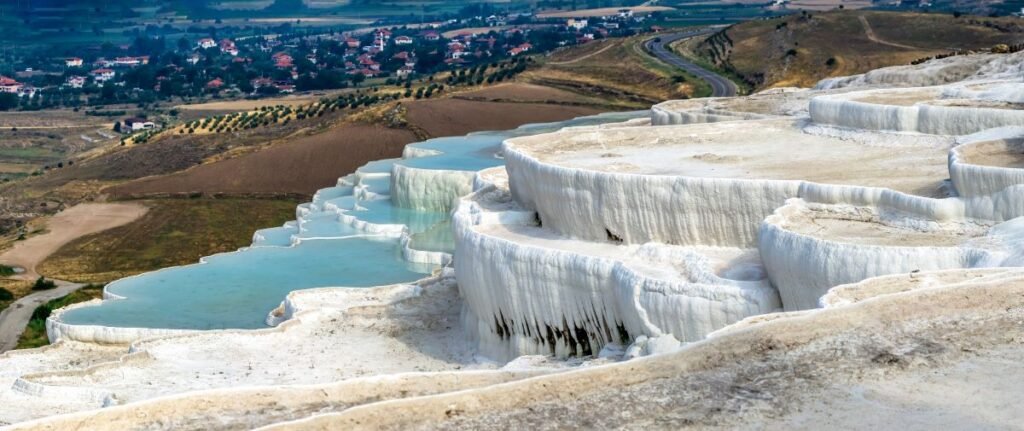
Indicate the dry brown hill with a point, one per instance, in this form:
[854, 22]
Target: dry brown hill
[799, 50]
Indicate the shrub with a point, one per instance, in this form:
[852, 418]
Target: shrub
[43, 284]
[6, 295]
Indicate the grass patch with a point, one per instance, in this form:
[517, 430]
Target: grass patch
[35, 333]
[11, 290]
[173, 232]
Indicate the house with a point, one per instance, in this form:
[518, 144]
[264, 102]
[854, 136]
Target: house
[206, 43]
[432, 36]
[135, 124]
[102, 75]
[75, 81]
[261, 82]
[194, 59]
[282, 60]
[73, 62]
[352, 43]
[403, 40]
[625, 13]
[127, 61]
[520, 49]
[8, 85]
[227, 46]
[214, 84]
[27, 91]
[578, 24]
[404, 72]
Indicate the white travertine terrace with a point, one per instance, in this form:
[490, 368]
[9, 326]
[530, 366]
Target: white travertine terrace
[847, 231]
[830, 187]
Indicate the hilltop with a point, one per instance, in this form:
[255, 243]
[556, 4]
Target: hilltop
[799, 50]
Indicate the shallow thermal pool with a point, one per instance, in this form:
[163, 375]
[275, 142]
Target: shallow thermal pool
[323, 248]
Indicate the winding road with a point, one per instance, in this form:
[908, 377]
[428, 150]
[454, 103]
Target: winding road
[15, 317]
[720, 86]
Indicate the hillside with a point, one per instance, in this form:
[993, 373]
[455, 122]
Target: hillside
[799, 50]
[617, 70]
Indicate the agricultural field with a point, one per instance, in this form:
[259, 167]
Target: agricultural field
[33, 141]
[798, 50]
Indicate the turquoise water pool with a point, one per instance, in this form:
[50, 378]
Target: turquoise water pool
[322, 248]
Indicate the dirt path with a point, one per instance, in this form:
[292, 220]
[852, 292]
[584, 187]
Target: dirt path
[72, 223]
[15, 317]
[559, 63]
[871, 35]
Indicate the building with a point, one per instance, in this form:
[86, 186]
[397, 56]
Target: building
[127, 61]
[75, 81]
[102, 75]
[577, 24]
[403, 40]
[214, 84]
[135, 124]
[227, 46]
[206, 43]
[73, 62]
[432, 36]
[9, 85]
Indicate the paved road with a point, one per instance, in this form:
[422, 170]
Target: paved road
[720, 86]
[15, 317]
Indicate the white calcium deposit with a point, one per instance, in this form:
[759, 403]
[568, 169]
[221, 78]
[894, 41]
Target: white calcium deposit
[713, 231]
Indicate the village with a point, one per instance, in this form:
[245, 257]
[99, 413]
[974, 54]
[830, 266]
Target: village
[219, 66]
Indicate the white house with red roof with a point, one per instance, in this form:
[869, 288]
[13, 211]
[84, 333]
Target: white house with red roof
[75, 81]
[102, 75]
[73, 62]
[431, 36]
[403, 40]
[206, 43]
[9, 85]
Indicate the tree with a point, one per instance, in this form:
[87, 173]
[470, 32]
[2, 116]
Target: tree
[8, 101]
[117, 126]
[43, 284]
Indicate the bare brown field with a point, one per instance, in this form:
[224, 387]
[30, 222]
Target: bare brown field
[454, 117]
[519, 92]
[299, 166]
[173, 232]
[800, 50]
[66, 226]
[50, 118]
[605, 11]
